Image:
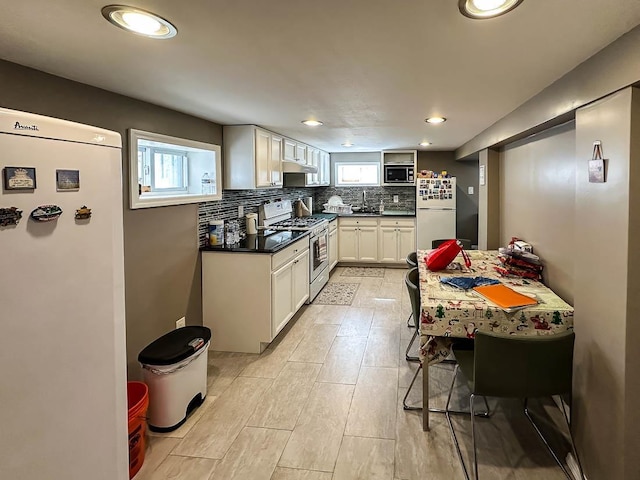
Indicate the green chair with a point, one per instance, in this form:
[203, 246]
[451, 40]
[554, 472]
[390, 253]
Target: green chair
[466, 243]
[412, 262]
[516, 367]
[411, 280]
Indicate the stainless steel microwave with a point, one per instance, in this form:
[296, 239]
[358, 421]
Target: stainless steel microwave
[397, 174]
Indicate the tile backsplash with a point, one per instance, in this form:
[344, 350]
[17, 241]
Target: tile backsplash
[227, 208]
[353, 196]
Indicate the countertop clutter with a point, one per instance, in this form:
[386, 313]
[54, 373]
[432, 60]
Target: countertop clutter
[260, 243]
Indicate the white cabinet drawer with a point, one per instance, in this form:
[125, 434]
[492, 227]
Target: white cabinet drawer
[397, 222]
[358, 222]
[283, 256]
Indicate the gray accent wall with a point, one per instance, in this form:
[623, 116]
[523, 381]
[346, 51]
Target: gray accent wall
[537, 201]
[466, 173]
[162, 266]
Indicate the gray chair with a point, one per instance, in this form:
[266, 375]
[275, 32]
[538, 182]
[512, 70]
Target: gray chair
[412, 262]
[412, 282]
[516, 367]
[466, 243]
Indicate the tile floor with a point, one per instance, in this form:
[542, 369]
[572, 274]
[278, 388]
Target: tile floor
[324, 402]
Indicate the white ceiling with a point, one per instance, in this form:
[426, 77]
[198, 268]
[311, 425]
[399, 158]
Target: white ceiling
[371, 70]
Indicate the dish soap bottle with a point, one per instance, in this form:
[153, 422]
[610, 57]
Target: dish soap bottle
[381, 206]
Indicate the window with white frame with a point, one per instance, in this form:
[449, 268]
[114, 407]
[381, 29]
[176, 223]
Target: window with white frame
[162, 169]
[357, 173]
[167, 170]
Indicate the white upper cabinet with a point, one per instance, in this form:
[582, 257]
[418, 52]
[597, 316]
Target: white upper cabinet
[313, 156]
[301, 152]
[252, 158]
[324, 169]
[276, 160]
[289, 150]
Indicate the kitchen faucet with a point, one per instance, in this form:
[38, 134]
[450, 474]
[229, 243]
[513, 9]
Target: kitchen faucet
[364, 199]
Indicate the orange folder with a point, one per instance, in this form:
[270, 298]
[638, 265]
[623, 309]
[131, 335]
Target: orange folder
[505, 297]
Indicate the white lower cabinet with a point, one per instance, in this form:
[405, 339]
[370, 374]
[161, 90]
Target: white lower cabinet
[333, 244]
[376, 240]
[358, 240]
[289, 290]
[397, 239]
[281, 297]
[247, 298]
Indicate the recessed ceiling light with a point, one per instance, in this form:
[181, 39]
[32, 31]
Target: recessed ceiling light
[347, 144]
[486, 8]
[312, 123]
[434, 120]
[139, 21]
[424, 144]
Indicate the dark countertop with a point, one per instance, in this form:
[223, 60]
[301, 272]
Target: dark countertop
[386, 213]
[260, 243]
[328, 216]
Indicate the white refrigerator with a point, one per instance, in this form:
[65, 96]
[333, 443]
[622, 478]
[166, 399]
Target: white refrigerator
[435, 210]
[63, 401]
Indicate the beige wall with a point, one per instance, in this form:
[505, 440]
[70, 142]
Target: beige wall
[604, 273]
[489, 201]
[585, 233]
[632, 347]
[537, 196]
[162, 272]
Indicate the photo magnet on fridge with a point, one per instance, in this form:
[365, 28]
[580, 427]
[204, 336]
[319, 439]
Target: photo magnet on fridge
[19, 178]
[67, 180]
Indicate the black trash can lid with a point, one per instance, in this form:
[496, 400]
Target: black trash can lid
[175, 346]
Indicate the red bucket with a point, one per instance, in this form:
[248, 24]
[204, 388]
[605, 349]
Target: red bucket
[137, 402]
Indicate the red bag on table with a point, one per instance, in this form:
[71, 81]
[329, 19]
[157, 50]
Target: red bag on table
[442, 256]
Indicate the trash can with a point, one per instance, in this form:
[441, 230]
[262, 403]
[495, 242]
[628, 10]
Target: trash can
[137, 403]
[174, 367]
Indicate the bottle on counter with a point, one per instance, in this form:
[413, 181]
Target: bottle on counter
[381, 206]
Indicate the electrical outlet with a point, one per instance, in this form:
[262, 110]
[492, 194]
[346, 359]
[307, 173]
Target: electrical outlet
[181, 322]
[395, 199]
[240, 211]
[470, 190]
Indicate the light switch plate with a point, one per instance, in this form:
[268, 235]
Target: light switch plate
[240, 211]
[395, 199]
[470, 190]
[181, 322]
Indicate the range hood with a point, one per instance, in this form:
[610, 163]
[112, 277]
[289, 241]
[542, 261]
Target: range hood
[291, 166]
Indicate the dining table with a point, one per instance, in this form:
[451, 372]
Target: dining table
[449, 312]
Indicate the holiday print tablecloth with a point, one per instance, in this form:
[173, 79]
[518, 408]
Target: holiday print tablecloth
[448, 311]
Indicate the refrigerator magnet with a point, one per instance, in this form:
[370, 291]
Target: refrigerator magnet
[67, 180]
[46, 213]
[10, 216]
[83, 213]
[19, 178]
